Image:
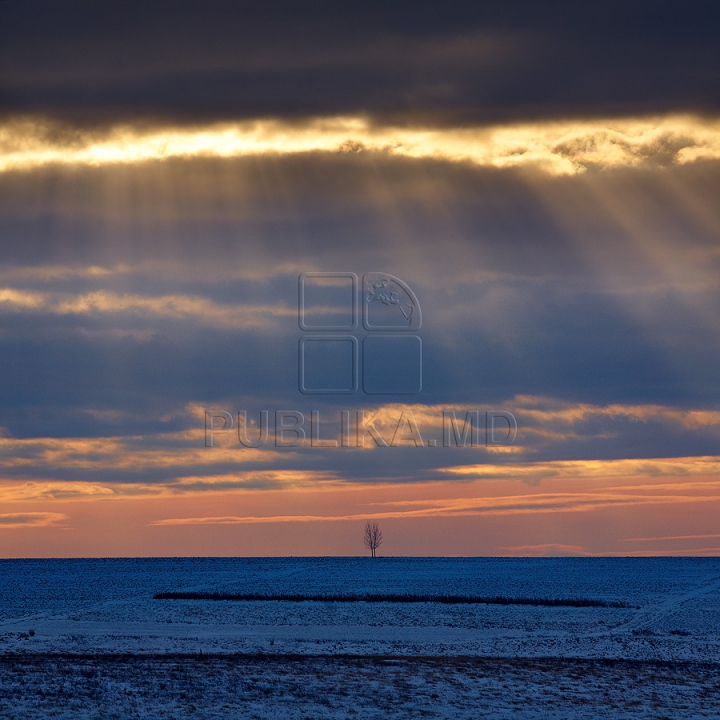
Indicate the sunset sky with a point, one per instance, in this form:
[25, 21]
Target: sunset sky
[543, 176]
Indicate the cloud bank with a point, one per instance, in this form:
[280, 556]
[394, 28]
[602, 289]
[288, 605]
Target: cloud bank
[559, 148]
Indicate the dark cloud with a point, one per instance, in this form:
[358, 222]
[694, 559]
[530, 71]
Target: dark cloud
[529, 284]
[463, 62]
[129, 291]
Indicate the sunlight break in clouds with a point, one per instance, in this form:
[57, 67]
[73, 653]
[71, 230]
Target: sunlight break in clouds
[558, 147]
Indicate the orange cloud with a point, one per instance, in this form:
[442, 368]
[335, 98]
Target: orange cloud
[592, 468]
[545, 550]
[546, 410]
[31, 519]
[527, 503]
[123, 453]
[178, 307]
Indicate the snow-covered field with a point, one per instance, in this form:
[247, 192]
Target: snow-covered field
[84, 638]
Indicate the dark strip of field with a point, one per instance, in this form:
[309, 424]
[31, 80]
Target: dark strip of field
[625, 665]
[294, 687]
[393, 598]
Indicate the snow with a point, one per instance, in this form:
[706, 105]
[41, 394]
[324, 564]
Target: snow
[102, 647]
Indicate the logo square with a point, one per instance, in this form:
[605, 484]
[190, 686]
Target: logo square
[328, 364]
[328, 301]
[392, 364]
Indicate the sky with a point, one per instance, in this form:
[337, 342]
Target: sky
[366, 221]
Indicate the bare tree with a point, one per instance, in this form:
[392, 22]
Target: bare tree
[373, 537]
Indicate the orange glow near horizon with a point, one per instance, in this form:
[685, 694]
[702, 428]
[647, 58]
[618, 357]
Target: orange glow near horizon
[642, 515]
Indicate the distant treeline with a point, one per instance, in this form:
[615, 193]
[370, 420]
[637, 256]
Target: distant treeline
[393, 598]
